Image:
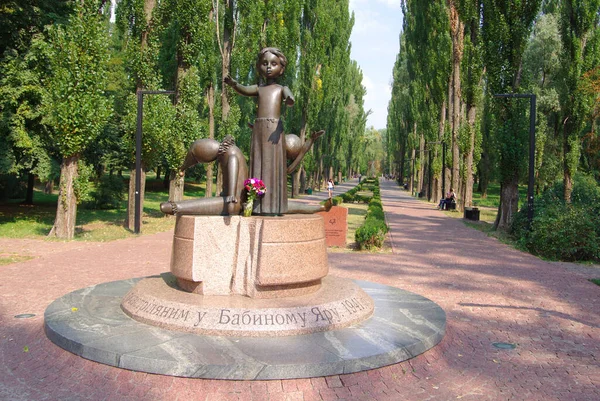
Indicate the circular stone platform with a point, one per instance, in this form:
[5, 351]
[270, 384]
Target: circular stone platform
[159, 302]
[89, 322]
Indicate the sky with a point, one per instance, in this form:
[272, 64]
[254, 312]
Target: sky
[375, 45]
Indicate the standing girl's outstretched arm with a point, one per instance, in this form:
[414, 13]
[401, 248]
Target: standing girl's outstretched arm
[251, 90]
[288, 98]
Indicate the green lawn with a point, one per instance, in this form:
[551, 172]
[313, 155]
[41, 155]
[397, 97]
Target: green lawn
[356, 218]
[493, 196]
[35, 221]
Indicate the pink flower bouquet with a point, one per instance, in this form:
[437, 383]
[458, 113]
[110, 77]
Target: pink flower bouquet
[255, 188]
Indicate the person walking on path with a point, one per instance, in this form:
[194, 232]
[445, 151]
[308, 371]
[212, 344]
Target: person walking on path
[330, 188]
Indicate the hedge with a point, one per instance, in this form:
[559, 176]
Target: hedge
[372, 233]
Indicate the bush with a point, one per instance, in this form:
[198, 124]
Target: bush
[560, 231]
[362, 198]
[109, 193]
[351, 196]
[566, 233]
[586, 190]
[372, 233]
[347, 197]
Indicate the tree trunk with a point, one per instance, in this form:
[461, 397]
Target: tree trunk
[457, 32]
[437, 181]
[468, 198]
[568, 183]
[66, 210]
[450, 107]
[30, 184]
[509, 204]
[412, 170]
[130, 221]
[176, 186]
[210, 94]
[228, 34]
[49, 187]
[568, 166]
[296, 182]
[484, 174]
[176, 180]
[303, 182]
[226, 55]
[149, 6]
[320, 173]
[219, 184]
[421, 163]
[166, 178]
[402, 160]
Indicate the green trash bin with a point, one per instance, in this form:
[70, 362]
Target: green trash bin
[308, 191]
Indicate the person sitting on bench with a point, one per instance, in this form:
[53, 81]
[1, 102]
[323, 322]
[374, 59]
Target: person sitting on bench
[450, 198]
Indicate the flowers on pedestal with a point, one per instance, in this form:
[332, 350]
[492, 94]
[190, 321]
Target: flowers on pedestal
[255, 188]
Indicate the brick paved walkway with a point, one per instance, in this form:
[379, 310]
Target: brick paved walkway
[491, 293]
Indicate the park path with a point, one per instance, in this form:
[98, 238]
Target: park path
[490, 292]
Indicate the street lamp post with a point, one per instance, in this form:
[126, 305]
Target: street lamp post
[138, 154]
[532, 111]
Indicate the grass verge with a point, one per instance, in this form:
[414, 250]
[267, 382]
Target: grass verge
[8, 258]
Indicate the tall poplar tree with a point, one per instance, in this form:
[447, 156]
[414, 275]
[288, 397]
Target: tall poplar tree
[472, 72]
[428, 51]
[542, 71]
[24, 150]
[580, 34]
[187, 42]
[457, 29]
[76, 105]
[332, 115]
[398, 112]
[136, 22]
[314, 31]
[505, 31]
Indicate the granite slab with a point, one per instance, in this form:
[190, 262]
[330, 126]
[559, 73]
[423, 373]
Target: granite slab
[90, 323]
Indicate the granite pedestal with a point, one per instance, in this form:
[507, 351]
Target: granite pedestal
[258, 256]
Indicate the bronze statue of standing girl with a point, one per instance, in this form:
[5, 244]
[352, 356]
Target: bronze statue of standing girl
[268, 150]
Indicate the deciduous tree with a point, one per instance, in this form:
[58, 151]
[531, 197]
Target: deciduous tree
[76, 106]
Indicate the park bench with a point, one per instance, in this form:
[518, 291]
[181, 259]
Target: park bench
[449, 206]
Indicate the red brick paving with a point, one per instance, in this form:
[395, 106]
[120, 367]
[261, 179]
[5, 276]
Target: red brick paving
[490, 292]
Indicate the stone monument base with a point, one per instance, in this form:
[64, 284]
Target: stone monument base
[258, 256]
[157, 301]
[90, 323]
